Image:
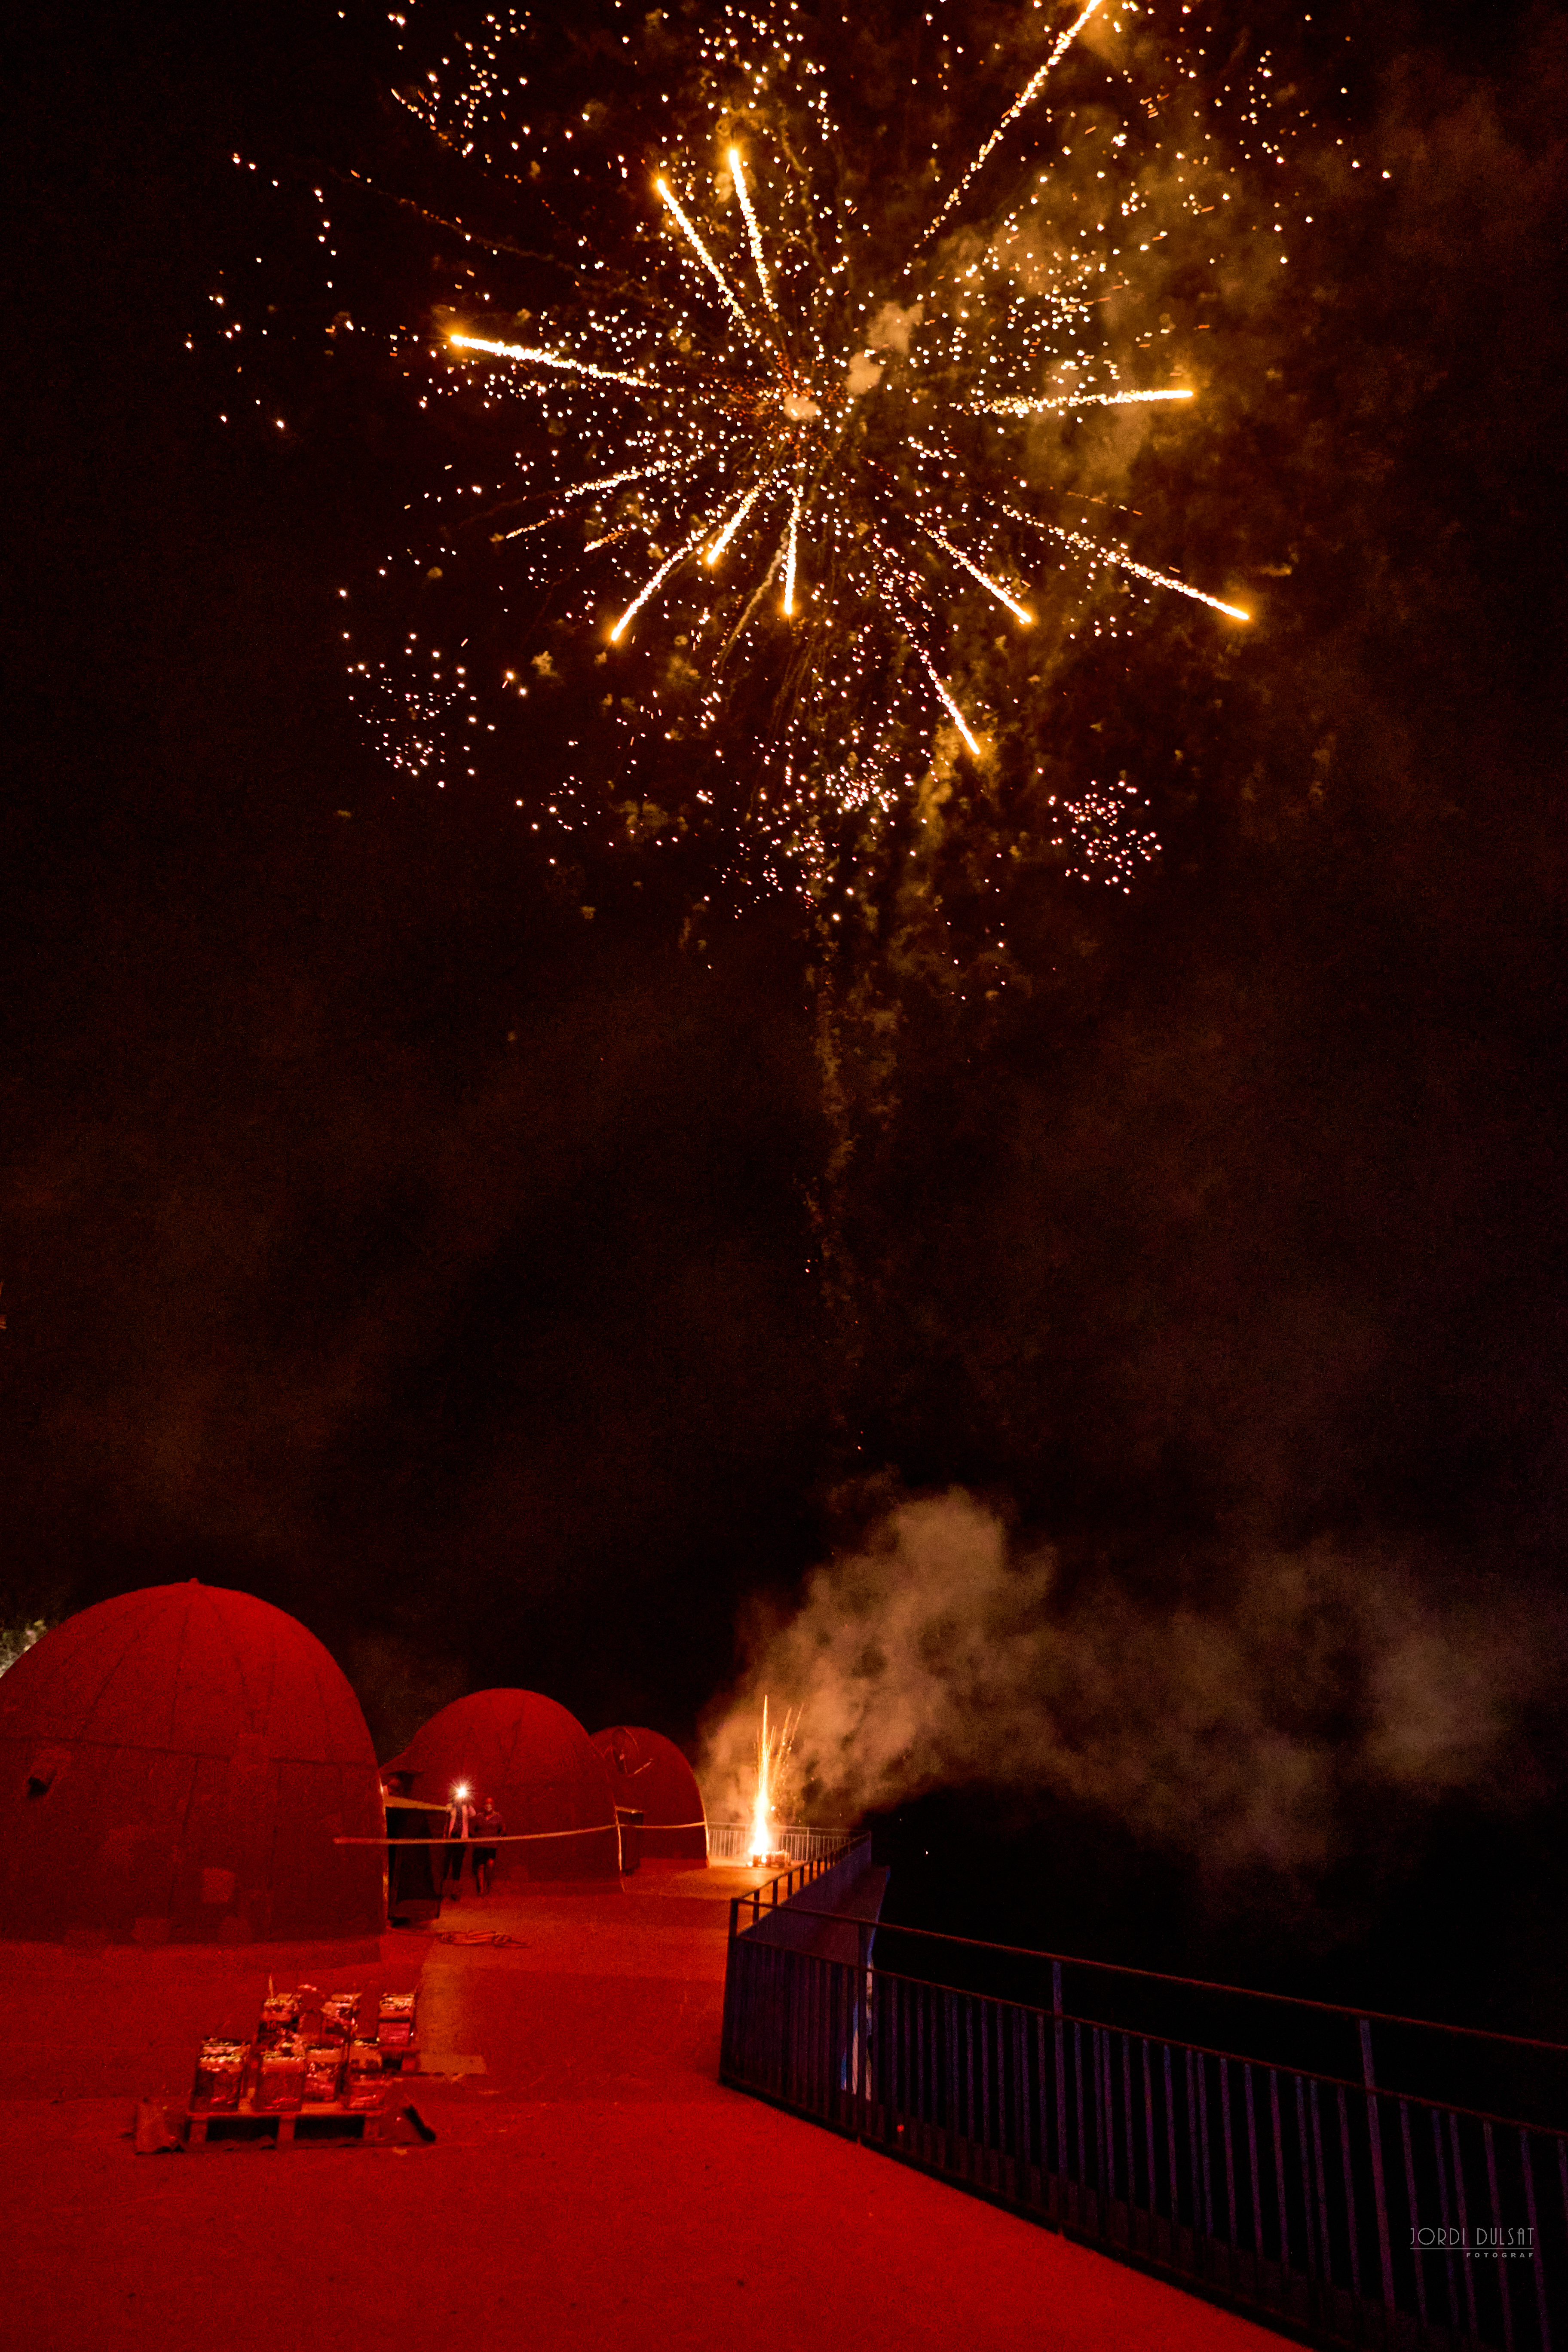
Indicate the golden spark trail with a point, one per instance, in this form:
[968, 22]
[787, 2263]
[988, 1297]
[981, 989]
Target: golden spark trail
[586, 490]
[952, 707]
[1020, 612]
[943, 697]
[1025, 97]
[1018, 407]
[739, 517]
[551, 359]
[793, 532]
[1126, 563]
[718, 276]
[738, 173]
[660, 576]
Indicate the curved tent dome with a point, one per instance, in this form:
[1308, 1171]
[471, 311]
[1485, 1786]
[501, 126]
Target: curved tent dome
[537, 1761]
[175, 1765]
[649, 1771]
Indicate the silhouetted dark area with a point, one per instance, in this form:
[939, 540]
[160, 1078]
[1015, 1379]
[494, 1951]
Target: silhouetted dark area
[385, 1235]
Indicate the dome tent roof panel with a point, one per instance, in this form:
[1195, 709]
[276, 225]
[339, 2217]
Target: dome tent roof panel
[191, 1753]
[533, 1757]
[648, 1772]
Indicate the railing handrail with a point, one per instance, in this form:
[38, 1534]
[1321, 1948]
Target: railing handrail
[1333, 2209]
[1199, 1984]
[765, 1894]
[1211, 2049]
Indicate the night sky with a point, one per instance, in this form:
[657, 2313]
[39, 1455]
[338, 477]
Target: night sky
[381, 1235]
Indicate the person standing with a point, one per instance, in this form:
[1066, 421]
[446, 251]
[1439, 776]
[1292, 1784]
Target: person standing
[460, 1830]
[488, 1824]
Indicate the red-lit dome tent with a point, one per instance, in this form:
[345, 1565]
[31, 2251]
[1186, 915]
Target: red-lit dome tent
[538, 1763]
[174, 1766]
[648, 1772]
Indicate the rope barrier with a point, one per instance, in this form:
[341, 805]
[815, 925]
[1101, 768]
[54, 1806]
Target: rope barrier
[519, 1837]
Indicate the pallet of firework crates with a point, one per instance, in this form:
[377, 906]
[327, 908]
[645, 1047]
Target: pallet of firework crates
[311, 2078]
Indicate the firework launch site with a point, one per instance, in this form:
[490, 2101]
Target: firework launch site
[782, 1335]
[589, 2179]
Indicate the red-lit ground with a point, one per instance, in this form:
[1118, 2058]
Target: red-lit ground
[593, 2187]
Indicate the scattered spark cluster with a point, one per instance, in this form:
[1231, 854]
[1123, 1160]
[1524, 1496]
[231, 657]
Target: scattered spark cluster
[1102, 833]
[773, 499]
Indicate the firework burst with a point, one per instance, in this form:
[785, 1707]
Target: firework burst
[780, 482]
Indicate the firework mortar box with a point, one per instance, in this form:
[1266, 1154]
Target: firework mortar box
[283, 2089]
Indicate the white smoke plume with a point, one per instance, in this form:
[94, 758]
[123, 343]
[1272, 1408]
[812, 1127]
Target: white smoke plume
[1236, 1729]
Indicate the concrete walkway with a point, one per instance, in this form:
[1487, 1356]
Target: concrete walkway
[592, 2187]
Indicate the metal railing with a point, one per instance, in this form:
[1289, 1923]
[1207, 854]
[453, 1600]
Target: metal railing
[786, 1886]
[1340, 2210]
[730, 1840]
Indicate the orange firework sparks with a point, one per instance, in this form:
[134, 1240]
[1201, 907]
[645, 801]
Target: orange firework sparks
[773, 1745]
[789, 425]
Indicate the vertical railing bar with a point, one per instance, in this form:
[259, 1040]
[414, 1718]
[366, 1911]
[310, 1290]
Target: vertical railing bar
[1527, 2167]
[1374, 2133]
[1111, 2042]
[1466, 2268]
[1016, 2103]
[1078, 2094]
[950, 2046]
[1280, 2175]
[915, 2119]
[1149, 2144]
[1193, 2161]
[1252, 2160]
[1230, 2148]
[1345, 2167]
[1046, 2168]
[1497, 2225]
[968, 2000]
[1208, 2161]
[1443, 2209]
[1320, 2182]
[1126, 2041]
[1417, 2258]
[1062, 2079]
[1026, 2106]
[1171, 2151]
[1098, 2125]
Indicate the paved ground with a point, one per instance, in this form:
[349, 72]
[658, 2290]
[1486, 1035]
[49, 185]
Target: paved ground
[593, 2187]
